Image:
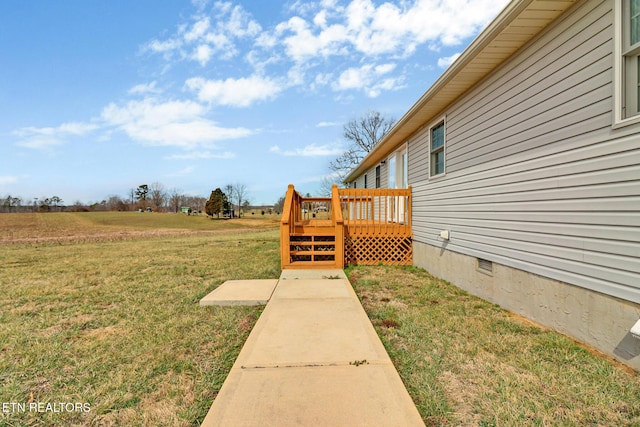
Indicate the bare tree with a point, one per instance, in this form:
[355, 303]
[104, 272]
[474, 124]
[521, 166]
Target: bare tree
[326, 186]
[115, 203]
[56, 202]
[132, 198]
[176, 200]
[158, 194]
[196, 203]
[362, 134]
[228, 191]
[240, 194]
[279, 205]
[11, 203]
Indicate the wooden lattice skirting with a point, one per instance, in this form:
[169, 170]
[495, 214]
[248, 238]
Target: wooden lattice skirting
[373, 250]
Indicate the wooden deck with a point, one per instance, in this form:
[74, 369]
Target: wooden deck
[354, 226]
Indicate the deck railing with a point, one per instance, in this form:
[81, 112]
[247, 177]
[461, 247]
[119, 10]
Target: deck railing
[376, 211]
[370, 226]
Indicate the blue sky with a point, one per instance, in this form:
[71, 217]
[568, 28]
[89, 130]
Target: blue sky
[98, 97]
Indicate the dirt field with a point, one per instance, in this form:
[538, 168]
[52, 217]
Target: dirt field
[73, 227]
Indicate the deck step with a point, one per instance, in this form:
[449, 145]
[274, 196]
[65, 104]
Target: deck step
[318, 236]
[314, 231]
[312, 264]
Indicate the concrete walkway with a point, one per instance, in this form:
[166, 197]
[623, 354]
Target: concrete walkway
[313, 359]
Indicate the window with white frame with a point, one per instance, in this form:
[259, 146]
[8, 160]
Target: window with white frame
[436, 149]
[627, 62]
[631, 57]
[378, 176]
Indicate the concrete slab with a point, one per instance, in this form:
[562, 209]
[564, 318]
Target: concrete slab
[312, 274]
[365, 395]
[313, 289]
[294, 332]
[241, 292]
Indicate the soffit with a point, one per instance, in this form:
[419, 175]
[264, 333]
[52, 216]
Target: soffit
[515, 26]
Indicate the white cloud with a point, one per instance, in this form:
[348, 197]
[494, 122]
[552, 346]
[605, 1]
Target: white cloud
[196, 155]
[303, 44]
[8, 179]
[234, 92]
[169, 123]
[198, 30]
[311, 150]
[200, 4]
[76, 128]
[164, 46]
[327, 124]
[385, 29]
[353, 31]
[203, 54]
[448, 60]
[368, 78]
[201, 39]
[240, 24]
[144, 88]
[47, 137]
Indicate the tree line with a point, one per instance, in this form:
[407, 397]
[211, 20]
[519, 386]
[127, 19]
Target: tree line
[154, 196]
[38, 204]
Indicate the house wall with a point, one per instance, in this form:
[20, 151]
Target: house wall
[539, 182]
[536, 177]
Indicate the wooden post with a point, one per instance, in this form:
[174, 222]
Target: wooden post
[285, 228]
[338, 223]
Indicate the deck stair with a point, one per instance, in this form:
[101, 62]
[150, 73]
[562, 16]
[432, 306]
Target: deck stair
[350, 227]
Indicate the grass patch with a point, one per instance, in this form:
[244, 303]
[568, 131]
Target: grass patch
[468, 362]
[116, 324]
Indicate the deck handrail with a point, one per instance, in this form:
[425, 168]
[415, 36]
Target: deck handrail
[377, 211]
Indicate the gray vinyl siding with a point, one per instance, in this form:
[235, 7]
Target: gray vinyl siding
[418, 157]
[536, 177]
[371, 178]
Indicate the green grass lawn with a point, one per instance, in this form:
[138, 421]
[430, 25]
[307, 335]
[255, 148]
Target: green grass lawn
[468, 362]
[114, 322]
[117, 325]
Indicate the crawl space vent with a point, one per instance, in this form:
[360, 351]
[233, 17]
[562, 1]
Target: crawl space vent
[485, 265]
